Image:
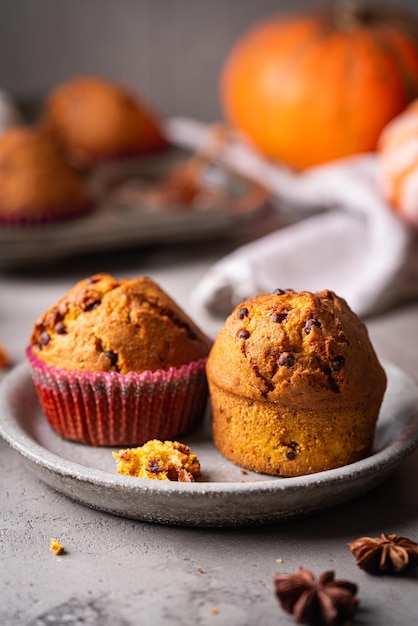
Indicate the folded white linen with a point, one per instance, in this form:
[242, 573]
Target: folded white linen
[9, 113]
[347, 239]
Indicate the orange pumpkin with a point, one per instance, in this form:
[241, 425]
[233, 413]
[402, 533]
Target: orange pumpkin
[310, 88]
[398, 163]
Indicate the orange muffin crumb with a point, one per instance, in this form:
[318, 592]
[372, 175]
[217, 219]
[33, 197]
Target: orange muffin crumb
[159, 460]
[56, 547]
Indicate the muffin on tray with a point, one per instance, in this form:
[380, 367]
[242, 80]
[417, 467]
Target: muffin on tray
[97, 121]
[295, 384]
[36, 183]
[117, 362]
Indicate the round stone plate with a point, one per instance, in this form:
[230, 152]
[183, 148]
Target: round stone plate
[226, 495]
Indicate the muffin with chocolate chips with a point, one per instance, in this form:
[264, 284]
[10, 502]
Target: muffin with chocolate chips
[117, 362]
[295, 384]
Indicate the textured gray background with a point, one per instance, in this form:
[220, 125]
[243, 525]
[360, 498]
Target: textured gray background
[171, 51]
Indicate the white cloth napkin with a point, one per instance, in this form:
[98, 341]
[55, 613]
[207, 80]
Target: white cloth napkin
[347, 239]
[9, 113]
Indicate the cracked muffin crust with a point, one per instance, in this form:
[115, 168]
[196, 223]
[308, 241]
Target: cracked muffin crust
[295, 384]
[110, 325]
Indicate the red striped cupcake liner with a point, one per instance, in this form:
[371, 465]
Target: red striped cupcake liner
[45, 219]
[110, 409]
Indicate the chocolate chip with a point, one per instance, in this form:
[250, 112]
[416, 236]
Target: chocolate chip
[44, 339]
[278, 317]
[243, 334]
[286, 359]
[292, 452]
[311, 322]
[154, 467]
[243, 312]
[173, 473]
[190, 333]
[338, 362]
[60, 328]
[279, 292]
[112, 356]
[92, 305]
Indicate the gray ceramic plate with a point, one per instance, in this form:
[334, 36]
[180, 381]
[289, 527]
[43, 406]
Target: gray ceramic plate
[226, 496]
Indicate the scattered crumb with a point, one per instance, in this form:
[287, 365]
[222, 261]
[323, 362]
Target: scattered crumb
[160, 460]
[199, 570]
[56, 547]
[243, 471]
[213, 611]
[279, 560]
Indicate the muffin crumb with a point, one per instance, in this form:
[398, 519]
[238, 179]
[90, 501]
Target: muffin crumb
[159, 460]
[56, 547]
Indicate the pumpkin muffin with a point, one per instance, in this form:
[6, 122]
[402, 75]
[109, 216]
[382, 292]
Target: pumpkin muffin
[36, 183]
[97, 120]
[117, 362]
[295, 384]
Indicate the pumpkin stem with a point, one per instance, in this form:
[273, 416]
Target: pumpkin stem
[352, 13]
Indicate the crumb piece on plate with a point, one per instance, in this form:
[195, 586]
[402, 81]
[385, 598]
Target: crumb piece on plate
[56, 547]
[159, 460]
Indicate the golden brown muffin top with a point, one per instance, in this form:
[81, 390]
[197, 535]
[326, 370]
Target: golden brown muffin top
[96, 119]
[34, 176]
[105, 324]
[299, 348]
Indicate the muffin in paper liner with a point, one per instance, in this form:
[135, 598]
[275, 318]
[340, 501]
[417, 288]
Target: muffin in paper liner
[110, 409]
[37, 186]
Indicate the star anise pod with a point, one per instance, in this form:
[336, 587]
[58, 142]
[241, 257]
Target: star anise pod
[323, 601]
[387, 554]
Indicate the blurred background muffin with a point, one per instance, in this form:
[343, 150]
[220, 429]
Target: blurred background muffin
[36, 183]
[97, 120]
